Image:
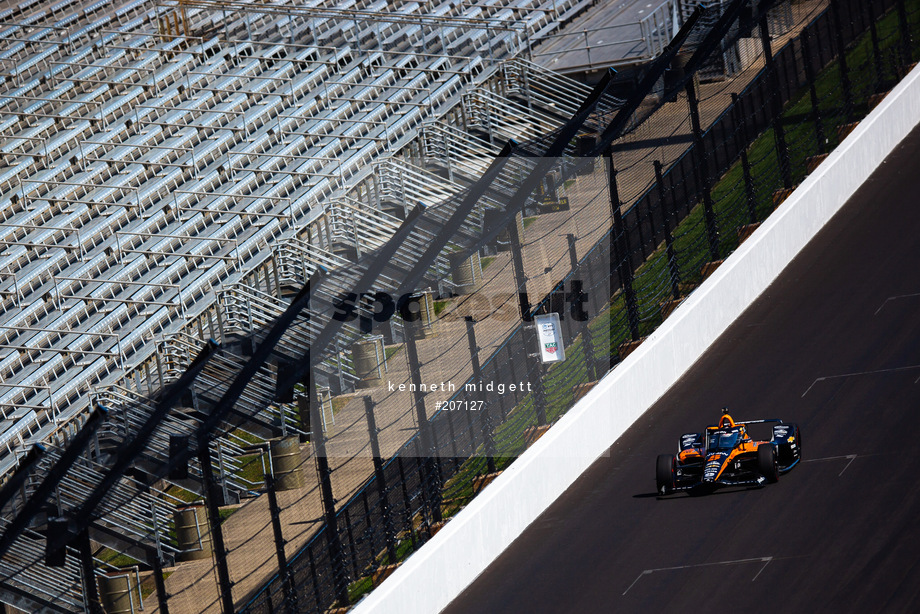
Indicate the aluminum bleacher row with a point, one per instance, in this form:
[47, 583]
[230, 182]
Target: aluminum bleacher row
[168, 174]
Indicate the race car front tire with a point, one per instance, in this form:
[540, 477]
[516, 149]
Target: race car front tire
[767, 462]
[665, 470]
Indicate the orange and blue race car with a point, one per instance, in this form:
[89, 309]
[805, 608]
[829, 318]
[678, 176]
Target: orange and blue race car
[726, 455]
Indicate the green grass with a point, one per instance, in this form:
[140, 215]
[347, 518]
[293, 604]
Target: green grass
[359, 588]
[440, 306]
[249, 437]
[116, 559]
[251, 468]
[529, 220]
[183, 494]
[226, 512]
[365, 584]
[485, 261]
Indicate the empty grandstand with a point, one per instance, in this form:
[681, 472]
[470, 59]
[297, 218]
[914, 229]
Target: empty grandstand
[153, 156]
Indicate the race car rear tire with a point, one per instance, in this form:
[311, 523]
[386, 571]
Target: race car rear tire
[767, 462]
[665, 471]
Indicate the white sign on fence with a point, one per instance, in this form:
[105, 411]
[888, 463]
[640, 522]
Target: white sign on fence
[549, 336]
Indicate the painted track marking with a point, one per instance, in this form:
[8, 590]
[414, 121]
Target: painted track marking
[851, 457]
[891, 298]
[647, 572]
[827, 377]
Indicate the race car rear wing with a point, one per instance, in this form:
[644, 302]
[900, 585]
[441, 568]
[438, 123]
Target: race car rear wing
[763, 421]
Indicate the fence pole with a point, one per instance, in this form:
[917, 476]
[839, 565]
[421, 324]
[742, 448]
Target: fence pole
[486, 420]
[449, 416]
[162, 596]
[619, 251]
[539, 391]
[90, 592]
[842, 58]
[520, 278]
[290, 590]
[368, 532]
[742, 137]
[430, 467]
[469, 415]
[575, 295]
[904, 27]
[314, 578]
[876, 52]
[349, 532]
[389, 534]
[407, 501]
[673, 270]
[529, 333]
[333, 540]
[813, 92]
[517, 261]
[424, 482]
[211, 497]
[776, 105]
[701, 170]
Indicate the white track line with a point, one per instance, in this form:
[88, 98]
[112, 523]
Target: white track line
[852, 458]
[827, 377]
[764, 559]
[891, 298]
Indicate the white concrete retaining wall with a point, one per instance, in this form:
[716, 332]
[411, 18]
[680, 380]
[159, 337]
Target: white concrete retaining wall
[432, 577]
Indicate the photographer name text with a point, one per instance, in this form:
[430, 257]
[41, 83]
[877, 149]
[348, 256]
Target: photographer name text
[498, 388]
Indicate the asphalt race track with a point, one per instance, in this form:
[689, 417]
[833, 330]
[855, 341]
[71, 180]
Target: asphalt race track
[834, 345]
